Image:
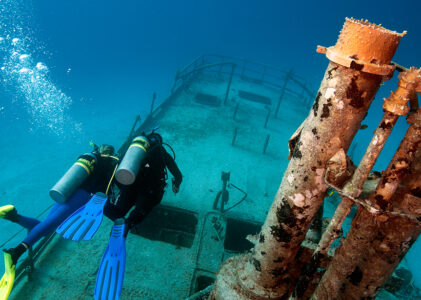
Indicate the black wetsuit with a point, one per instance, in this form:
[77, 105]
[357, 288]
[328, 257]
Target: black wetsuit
[99, 179]
[147, 190]
[96, 182]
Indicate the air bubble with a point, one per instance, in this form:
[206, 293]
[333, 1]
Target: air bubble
[24, 57]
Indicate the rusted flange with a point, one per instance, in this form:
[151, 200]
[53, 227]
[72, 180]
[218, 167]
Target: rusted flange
[397, 102]
[365, 47]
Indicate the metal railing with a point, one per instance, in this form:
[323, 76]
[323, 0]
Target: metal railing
[286, 82]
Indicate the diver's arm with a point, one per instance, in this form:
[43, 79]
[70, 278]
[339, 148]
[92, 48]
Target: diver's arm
[144, 206]
[175, 171]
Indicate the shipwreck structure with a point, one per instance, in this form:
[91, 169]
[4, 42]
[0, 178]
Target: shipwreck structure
[387, 220]
[224, 117]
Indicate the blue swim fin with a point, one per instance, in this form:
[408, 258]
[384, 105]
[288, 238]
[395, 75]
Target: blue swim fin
[84, 223]
[109, 281]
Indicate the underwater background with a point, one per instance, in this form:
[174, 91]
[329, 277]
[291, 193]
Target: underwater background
[78, 71]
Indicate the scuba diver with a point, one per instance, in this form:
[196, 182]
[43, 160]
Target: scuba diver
[148, 187]
[92, 173]
[141, 178]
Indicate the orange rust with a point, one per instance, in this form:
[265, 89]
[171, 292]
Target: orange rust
[365, 47]
[321, 49]
[418, 83]
[415, 119]
[397, 102]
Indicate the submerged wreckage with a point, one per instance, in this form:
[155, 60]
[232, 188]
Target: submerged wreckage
[229, 113]
[387, 221]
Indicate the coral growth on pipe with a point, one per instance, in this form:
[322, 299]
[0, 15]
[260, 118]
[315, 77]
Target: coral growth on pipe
[344, 97]
[364, 225]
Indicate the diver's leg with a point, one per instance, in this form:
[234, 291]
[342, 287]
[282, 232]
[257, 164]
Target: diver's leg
[122, 204]
[24, 221]
[9, 212]
[57, 215]
[146, 200]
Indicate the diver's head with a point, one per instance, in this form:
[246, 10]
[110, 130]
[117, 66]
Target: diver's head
[154, 139]
[105, 149]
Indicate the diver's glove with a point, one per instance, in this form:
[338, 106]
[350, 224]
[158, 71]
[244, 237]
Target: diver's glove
[175, 187]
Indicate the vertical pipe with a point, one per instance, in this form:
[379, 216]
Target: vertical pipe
[359, 238]
[236, 111]
[352, 188]
[344, 97]
[229, 84]
[137, 119]
[355, 185]
[395, 105]
[265, 146]
[381, 260]
[234, 136]
[153, 102]
[284, 86]
[389, 244]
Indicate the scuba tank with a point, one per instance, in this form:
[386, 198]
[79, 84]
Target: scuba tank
[73, 178]
[130, 165]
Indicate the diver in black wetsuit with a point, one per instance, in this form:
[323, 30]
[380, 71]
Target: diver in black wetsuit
[148, 189]
[99, 181]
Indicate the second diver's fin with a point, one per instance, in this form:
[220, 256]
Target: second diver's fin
[84, 223]
[109, 281]
[9, 212]
[6, 283]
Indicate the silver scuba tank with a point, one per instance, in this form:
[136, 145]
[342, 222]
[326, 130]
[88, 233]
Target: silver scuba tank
[73, 178]
[130, 165]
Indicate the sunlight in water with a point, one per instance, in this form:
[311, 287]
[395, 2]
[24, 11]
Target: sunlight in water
[25, 77]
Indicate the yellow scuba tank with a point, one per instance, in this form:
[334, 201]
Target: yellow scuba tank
[73, 178]
[130, 165]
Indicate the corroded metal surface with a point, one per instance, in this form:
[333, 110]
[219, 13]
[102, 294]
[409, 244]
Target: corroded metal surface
[342, 102]
[343, 99]
[365, 225]
[388, 245]
[358, 47]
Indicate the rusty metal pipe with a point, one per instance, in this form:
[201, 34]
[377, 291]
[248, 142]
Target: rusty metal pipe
[365, 224]
[395, 105]
[385, 238]
[343, 99]
[352, 188]
[386, 251]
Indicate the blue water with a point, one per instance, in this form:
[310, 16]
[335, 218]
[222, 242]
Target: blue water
[65, 65]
